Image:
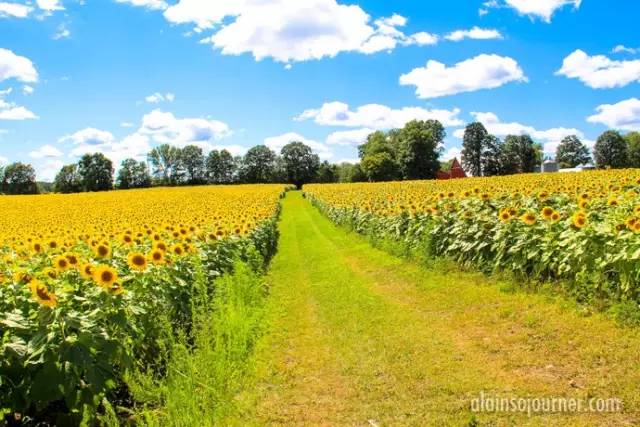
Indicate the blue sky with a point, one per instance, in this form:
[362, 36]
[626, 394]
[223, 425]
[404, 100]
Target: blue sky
[121, 76]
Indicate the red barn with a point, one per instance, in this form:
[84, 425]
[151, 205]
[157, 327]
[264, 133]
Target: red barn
[455, 172]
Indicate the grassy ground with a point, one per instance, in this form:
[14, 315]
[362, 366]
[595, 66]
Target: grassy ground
[356, 336]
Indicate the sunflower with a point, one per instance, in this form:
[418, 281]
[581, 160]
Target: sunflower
[529, 218]
[42, 294]
[161, 246]
[103, 250]
[547, 213]
[177, 250]
[126, 239]
[105, 276]
[137, 261]
[22, 277]
[579, 220]
[505, 215]
[87, 270]
[115, 289]
[61, 263]
[156, 256]
[74, 262]
[636, 227]
[613, 202]
[37, 247]
[51, 273]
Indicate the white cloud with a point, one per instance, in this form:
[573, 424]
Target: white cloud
[126, 124]
[158, 97]
[149, 4]
[451, 153]
[165, 128]
[481, 72]
[3, 161]
[624, 49]
[11, 111]
[47, 172]
[295, 31]
[277, 142]
[27, 90]
[50, 5]
[62, 33]
[624, 115]
[46, 151]
[236, 150]
[543, 9]
[474, 33]
[599, 72]
[349, 137]
[16, 66]
[550, 138]
[14, 10]
[89, 136]
[376, 116]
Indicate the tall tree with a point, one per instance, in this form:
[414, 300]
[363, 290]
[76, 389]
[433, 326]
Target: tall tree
[492, 156]
[96, 172]
[133, 174]
[19, 178]
[166, 162]
[519, 154]
[221, 167]
[379, 167]
[68, 180]
[611, 151]
[349, 172]
[377, 142]
[300, 163]
[259, 165]
[327, 173]
[418, 146]
[473, 147]
[572, 152]
[192, 160]
[633, 146]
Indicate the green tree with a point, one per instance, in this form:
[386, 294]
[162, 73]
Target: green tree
[221, 167]
[259, 165]
[300, 163]
[473, 148]
[633, 147]
[166, 164]
[572, 152]
[96, 172]
[611, 150]
[379, 167]
[327, 173]
[492, 156]
[349, 172]
[377, 142]
[192, 160]
[19, 178]
[133, 174]
[418, 146]
[68, 180]
[520, 154]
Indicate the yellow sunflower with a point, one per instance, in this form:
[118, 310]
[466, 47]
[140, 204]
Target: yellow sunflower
[42, 294]
[579, 220]
[137, 261]
[529, 218]
[61, 263]
[156, 256]
[105, 276]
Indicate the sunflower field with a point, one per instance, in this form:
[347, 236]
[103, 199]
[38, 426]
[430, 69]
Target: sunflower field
[580, 231]
[91, 283]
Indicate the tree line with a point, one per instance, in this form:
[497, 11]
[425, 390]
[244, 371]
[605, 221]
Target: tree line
[409, 153]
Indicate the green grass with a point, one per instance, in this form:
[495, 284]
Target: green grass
[356, 336]
[203, 377]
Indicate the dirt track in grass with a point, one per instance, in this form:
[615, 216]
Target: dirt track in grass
[356, 336]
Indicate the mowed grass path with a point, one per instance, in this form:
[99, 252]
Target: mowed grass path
[358, 337]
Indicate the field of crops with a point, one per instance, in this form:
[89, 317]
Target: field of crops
[89, 282]
[577, 230]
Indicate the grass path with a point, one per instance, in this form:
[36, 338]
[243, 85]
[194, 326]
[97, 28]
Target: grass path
[358, 337]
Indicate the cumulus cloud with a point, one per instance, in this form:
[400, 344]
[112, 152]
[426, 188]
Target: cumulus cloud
[292, 33]
[625, 115]
[277, 142]
[624, 49]
[62, 32]
[165, 128]
[451, 153]
[543, 9]
[349, 137]
[14, 10]
[149, 4]
[550, 138]
[11, 111]
[481, 72]
[474, 33]
[50, 5]
[376, 116]
[46, 151]
[27, 90]
[17, 67]
[158, 97]
[599, 72]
